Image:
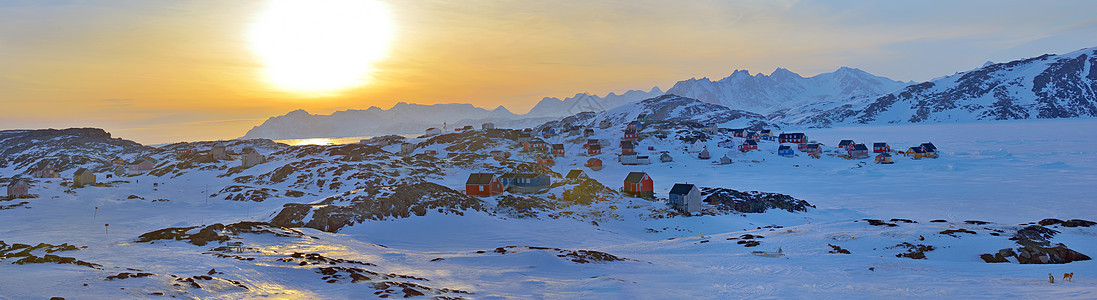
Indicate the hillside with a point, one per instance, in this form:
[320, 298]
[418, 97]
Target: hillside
[1044, 87]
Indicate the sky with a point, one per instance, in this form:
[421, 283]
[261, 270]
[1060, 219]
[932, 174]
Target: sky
[166, 71]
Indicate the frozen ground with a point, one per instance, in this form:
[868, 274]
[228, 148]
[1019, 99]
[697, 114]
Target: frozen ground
[1005, 173]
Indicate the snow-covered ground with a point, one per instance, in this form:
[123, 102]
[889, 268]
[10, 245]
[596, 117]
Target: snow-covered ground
[1005, 173]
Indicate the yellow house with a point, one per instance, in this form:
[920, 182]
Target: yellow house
[83, 177]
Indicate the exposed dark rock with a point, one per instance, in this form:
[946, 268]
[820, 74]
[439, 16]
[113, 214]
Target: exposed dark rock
[753, 201]
[837, 249]
[216, 232]
[402, 201]
[914, 251]
[875, 222]
[1070, 223]
[960, 230]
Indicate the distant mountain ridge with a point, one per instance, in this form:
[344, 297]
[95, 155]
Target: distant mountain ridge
[784, 89]
[1044, 87]
[401, 118]
[554, 107]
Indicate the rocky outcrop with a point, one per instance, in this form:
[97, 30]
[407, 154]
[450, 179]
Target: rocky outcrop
[1036, 248]
[376, 203]
[752, 201]
[215, 233]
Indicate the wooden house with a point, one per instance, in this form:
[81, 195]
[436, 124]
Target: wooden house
[594, 164]
[576, 176]
[884, 158]
[726, 144]
[857, 150]
[406, 148]
[812, 148]
[141, 165]
[711, 128]
[483, 184]
[765, 132]
[594, 149]
[704, 154]
[525, 182]
[631, 134]
[251, 157]
[724, 160]
[18, 187]
[548, 132]
[588, 132]
[83, 177]
[633, 159]
[499, 154]
[753, 136]
[931, 150]
[557, 150]
[643, 118]
[685, 198]
[916, 152]
[879, 147]
[635, 125]
[467, 128]
[46, 171]
[665, 157]
[535, 146]
[487, 126]
[219, 151]
[748, 145]
[639, 184]
[739, 132]
[695, 147]
[546, 161]
[628, 147]
[524, 137]
[433, 131]
[845, 143]
[785, 151]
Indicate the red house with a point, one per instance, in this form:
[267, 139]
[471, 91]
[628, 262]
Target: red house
[558, 149]
[792, 138]
[546, 161]
[846, 143]
[639, 184]
[594, 164]
[483, 184]
[738, 132]
[753, 136]
[631, 134]
[594, 149]
[748, 145]
[627, 147]
[857, 150]
[18, 188]
[880, 147]
[811, 148]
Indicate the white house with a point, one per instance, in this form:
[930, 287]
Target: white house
[685, 197]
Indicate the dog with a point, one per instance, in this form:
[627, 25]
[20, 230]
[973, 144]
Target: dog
[1068, 276]
[1050, 278]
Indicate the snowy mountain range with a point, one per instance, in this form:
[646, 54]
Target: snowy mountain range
[401, 118]
[783, 89]
[1044, 87]
[554, 107]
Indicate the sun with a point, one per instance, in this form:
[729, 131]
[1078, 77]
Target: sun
[320, 47]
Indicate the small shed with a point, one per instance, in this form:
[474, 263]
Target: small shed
[665, 157]
[695, 147]
[46, 171]
[785, 151]
[487, 126]
[18, 187]
[813, 148]
[704, 154]
[638, 184]
[685, 198]
[724, 160]
[483, 184]
[594, 164]
[219, 151]
[546, 161]
[879, 147]
[83, 177]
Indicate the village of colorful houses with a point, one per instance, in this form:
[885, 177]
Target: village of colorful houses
[535, 146]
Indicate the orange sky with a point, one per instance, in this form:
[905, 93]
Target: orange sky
[159, 72]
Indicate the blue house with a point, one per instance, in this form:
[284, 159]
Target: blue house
[785, 151]
[525, 182]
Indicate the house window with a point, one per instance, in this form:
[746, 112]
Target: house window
[481, 188]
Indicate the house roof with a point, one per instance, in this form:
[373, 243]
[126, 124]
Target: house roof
[704, 152]
[764, 131]
[432, 128]
[635, 177]
[811, 146]
[574, 174]
[750, 142]
[480, 178]
[884, 154]
[557, 146]
[874, 145]
[751, 133]
[784, 148]
[929, 146]
[594, 147]
[627, 144]
[859, 147]
[917, 149]
[81, 171]
[681, 188]
[845, 142]
[630, 131]
[593, 160]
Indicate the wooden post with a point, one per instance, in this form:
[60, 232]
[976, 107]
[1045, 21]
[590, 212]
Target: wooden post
[105, 227]
[95, 212]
